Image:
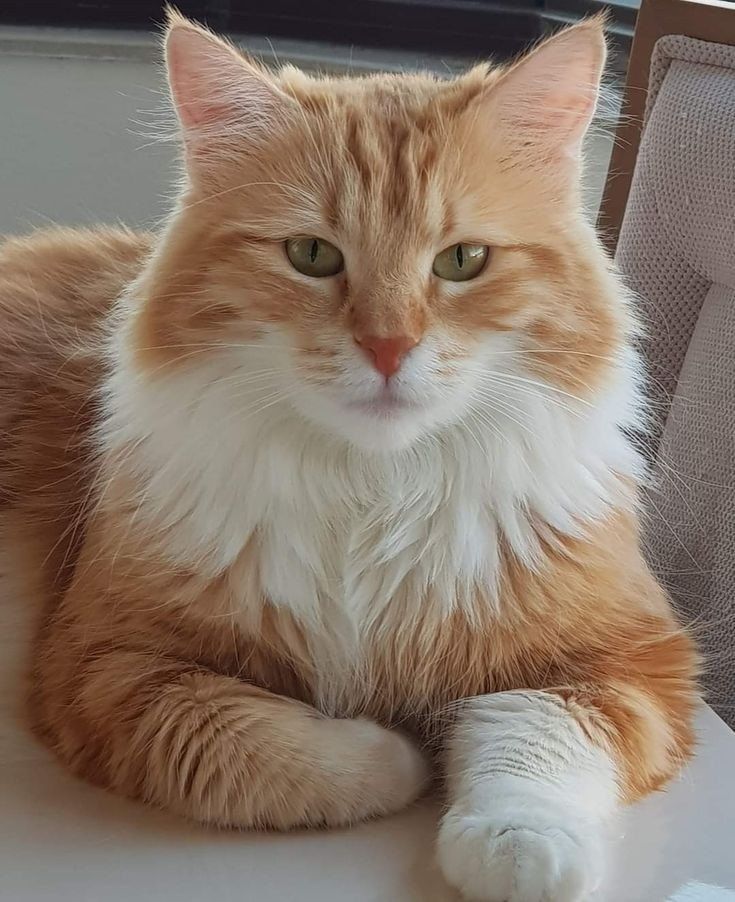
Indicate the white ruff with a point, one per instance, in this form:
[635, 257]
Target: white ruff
[342, 533]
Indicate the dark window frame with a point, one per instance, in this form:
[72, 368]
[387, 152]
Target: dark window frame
[463, 27]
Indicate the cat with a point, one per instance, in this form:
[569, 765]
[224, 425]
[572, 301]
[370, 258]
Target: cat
[331, 483]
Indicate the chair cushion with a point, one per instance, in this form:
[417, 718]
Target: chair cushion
[677, 253]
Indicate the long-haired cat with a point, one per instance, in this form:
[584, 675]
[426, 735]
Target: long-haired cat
[337, 469]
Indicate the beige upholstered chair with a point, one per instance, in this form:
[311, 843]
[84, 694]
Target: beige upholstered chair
[676, 250]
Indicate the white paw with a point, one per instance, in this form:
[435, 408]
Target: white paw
[525, 858]
[399, 768]
[369, 770]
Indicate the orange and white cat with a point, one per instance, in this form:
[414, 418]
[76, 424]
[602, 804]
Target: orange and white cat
[337, 469]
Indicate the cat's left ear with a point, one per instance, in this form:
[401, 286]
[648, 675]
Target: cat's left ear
[223, 101]
[548, 98]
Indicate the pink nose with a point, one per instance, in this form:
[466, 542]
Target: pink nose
[386, 354]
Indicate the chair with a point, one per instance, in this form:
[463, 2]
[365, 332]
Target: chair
[669, 205]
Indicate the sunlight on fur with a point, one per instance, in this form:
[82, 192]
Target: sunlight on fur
[331, 483]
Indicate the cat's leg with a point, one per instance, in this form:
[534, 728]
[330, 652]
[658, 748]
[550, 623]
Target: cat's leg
[534, 777]
[530, 795]
[220, 751]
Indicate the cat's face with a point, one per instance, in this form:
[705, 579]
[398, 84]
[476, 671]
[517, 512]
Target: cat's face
[390, 255]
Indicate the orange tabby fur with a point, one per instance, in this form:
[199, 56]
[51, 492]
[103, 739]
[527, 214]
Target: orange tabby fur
[148, 678]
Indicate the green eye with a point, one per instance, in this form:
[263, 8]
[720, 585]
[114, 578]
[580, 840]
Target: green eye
[314, 257]
[461, 262]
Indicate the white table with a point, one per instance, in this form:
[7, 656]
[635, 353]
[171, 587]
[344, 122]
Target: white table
[64, 841]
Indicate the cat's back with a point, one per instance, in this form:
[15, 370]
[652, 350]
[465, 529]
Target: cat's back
[57, 287]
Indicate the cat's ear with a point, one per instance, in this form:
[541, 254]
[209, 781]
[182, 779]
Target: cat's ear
[221, 98]
[548, 98]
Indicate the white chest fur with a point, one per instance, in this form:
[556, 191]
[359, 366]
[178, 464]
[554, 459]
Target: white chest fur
[344, 534]
[340, 535]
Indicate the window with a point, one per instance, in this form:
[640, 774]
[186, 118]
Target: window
[463, 27]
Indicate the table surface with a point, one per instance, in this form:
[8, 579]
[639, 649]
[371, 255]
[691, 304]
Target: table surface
[65, 841]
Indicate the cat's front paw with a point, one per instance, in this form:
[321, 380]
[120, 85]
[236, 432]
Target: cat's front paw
[371, 770]
[399, 769]
[526, 858]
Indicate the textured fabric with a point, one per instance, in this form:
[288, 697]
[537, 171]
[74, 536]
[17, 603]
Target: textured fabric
[677, 253]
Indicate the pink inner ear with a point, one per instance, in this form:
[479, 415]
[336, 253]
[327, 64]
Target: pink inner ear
[567, 114]
[199, 114]
[214, 89]
[196, 66]
[553, 92]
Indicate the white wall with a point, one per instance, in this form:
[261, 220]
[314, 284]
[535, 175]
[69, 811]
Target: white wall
[68, 151]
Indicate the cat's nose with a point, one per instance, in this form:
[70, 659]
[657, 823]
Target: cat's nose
[386, 354]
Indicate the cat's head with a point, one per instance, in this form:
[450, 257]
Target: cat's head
[384, 256]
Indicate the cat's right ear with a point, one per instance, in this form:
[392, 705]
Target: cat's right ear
[224, 102]
[543, 104]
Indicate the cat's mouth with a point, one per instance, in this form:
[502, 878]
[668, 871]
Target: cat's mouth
[385, 405]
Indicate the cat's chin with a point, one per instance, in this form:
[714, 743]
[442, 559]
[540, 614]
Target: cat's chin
[381, 429]
[383, 408]
[388, 421]
[378, 427]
